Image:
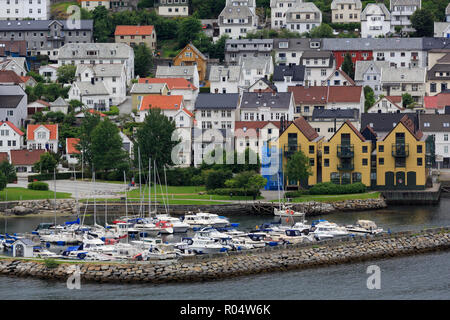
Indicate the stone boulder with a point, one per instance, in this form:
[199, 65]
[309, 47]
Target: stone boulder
[21, 210]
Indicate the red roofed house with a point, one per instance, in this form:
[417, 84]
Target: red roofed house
[387, 104]
[9, 77]
[437, 103]
[42, 136]
[253, 134]
[169, 105]
[326, 97]
[72, 151]
[177, 87]
[11, 138]
[136, 35]
[37, 106]
[23, 160]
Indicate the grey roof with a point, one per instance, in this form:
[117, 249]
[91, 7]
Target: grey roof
[441, 67]
[436, 122]
[267, 82]
[25, 241]
[171, 71]
[295, 44]
[36, 25]
[403, 75]
[60, 102]
[235, 12]
[384, 122]
[89, 89]
[296, 72]
[10, 96]
[102, 70]
[335, 3]
[249, 41]
[305, 7]
[372, 44]
[375, 8]
[256, 100]
[217, 101]
[362, 66]
[440, 27]
[231, 72]
[435, 43]
[405, 3]
[260, 62]
[311, 54]
[147, 87]
[105, 51]
[335, 114]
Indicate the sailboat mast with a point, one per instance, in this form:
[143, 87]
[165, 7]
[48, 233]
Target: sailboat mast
[126, 202]
[140, 184]
[149, 187]
[54, 192]
[95, 208]
[154, 171]
[167, 192]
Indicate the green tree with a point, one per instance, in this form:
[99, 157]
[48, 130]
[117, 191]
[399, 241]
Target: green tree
[73, 104]
[407, 100]
[90, 121]
[423, 21]
[298, 167]
[46, 164]
[215, 179]
[66, 73]
[322, 31]
[103, 26]
[36, 76]
[347, 66]
[3, 181]
[143, 60]
[146, 4]
[154, 139]
[106, 146]
[8, 171]
[369, 98]
[188, 30]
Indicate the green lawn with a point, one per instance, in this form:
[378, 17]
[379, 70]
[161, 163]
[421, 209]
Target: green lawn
[135, 201]
[59, 10]
[334, 198]
[13, 194]
[168, 48]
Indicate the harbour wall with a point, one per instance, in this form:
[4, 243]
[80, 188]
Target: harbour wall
[68, 206]
[232, 264]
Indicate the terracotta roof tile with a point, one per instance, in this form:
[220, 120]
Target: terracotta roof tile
[161, 102]
[308, 131]
[133, 30]
[4, 156]
[71, 145]
[172, 83]
[53, 128]
[344, 93]
[9, 76]
[315, 94]
[12, 126]
[25, 157]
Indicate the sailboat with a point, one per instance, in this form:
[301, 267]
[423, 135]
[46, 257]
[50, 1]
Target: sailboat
[285, 210]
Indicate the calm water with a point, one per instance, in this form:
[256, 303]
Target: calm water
[418, 277]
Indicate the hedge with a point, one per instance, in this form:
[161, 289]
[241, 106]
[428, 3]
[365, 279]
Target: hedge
[38, 185]
[49, 176]
[331, 188]
[295, 194]
[235, 192]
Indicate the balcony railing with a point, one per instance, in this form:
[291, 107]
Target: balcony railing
[346, 166]
[345, 151]
[289, 150]
[400, 150]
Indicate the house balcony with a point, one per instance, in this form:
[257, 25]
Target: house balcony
[56, 38]
[400, 150]
[346, 166]
[345, 151]
[289, 150]
[414, 58]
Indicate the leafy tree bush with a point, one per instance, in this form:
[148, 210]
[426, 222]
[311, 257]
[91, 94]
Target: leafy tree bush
[331, 188]
[215, 179]
[8, 171]
[38, 185]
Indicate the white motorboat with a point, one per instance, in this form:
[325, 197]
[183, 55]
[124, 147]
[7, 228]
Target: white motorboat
[210, 232]
[177, 225]
[297, 236]
[75, 253]
[40, 252]
[97, 245]
[61, 237]
[204, 219]
[364, 227]
[204, 245]
[147, 227]
[157, 252]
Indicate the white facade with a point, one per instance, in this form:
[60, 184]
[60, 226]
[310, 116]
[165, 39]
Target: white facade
[49, 71]
[318, 69]
[92, 96]
[173, 8]
[253, 69]
[254, 139]
[401, 12]
[303, 17]
[42, 140]
[278, 12]
[216, 118]
[224, 79]
[237, 18]
[368, 73]
[384, 105]
[375, 21]
[398, 58]
[10, 139]
[24, 9]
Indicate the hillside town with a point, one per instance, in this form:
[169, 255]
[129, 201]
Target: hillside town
[372, 107]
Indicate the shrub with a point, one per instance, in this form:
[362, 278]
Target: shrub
[235, 192]
[295, 194]
[331, 188]
[215, 179]
[51, 264]
[38, 185]
[113, 111]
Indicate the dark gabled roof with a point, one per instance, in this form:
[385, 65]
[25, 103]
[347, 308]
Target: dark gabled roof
[266, 99]
[10, 101]
[348, 123]
[335, 114]
[217, 101]
[268, 83]
[296, 72]
[308, 131]
[442, 67]
[384, 122]
[435, 122]
[435, 43]
[41, 25]
[409, 125]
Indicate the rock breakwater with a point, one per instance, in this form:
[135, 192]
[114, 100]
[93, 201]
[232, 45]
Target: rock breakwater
[220, 266]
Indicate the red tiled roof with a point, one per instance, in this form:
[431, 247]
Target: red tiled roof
[9, 76]
[308, 131]
[12, 126]
[53, 128]
[344, 93]
[4, 156]
[133, 30]
[394, 99]
[172, 83]
[25, 157]
[188, 112]
[438, 101]
[161, 102]
[13, 46]
[360, 136]
[71, 144]
[96, 112]
[315, 94]
[45, 103]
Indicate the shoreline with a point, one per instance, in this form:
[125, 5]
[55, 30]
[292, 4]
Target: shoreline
[234, 264]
